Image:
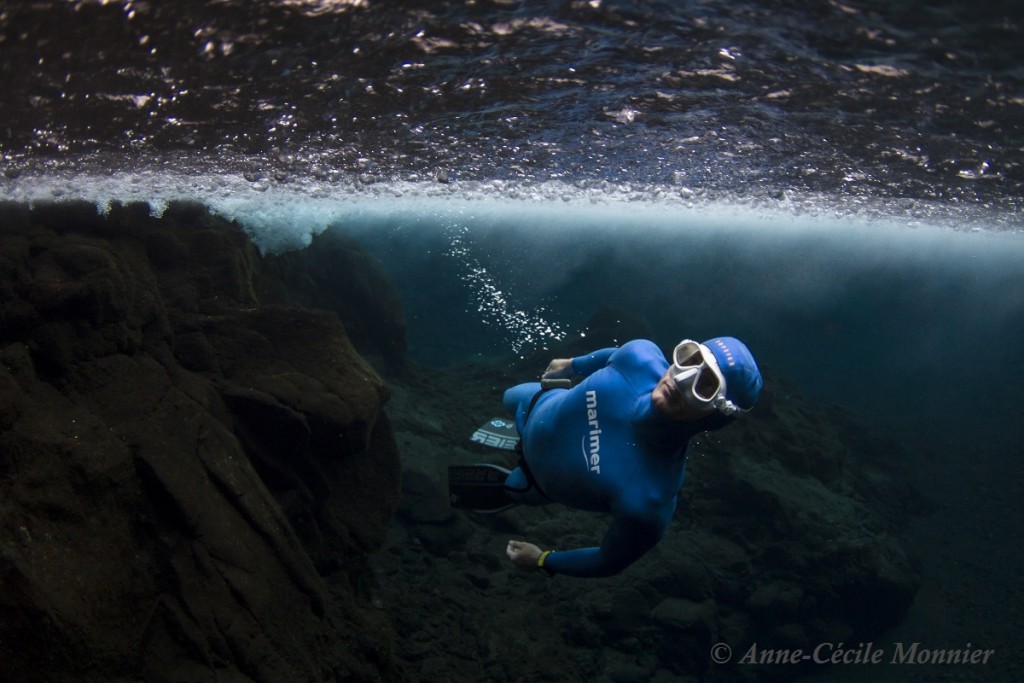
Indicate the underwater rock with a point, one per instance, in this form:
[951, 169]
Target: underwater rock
[430, 519]
[795, 552]
[336, 273]
[685, 615]
[191, 480]
[775, 599]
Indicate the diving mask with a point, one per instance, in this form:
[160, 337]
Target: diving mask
[698, 378]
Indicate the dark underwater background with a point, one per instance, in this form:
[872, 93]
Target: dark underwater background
[837, 183]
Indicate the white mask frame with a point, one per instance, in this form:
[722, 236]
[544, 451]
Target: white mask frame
[701, 383]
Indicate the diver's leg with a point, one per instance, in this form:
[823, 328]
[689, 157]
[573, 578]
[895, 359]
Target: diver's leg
[520, 490]
[517, 401]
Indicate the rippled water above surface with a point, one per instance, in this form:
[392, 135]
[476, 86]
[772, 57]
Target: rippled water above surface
[899, 100]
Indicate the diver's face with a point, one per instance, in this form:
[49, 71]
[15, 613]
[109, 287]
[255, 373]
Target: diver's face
[669, 402]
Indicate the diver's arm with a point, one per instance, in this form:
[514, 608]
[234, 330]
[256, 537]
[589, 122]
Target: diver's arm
[626, 541]
[565, 368]
[592, 362]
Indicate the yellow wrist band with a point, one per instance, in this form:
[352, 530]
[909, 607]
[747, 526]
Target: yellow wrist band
[540, 563]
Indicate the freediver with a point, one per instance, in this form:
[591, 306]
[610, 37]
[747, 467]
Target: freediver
[616, 441]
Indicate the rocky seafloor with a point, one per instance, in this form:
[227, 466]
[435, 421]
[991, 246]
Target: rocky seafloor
[203, 478]
[789, 531]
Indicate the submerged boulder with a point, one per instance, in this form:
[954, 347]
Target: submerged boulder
[193, 472]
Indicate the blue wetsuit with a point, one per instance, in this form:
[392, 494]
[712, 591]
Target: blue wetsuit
[602, 446]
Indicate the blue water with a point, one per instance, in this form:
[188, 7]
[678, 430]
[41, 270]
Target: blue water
[837, 183]
[867, 315]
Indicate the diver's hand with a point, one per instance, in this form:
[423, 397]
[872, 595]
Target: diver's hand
[559, 368]
[523, 555]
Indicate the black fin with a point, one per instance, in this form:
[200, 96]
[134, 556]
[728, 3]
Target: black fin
[497, 433]
[478, 487]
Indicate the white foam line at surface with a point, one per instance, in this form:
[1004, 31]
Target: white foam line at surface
[287, 215]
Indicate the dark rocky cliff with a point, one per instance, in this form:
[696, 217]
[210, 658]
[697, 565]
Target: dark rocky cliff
[193, 470]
